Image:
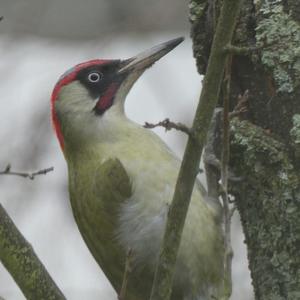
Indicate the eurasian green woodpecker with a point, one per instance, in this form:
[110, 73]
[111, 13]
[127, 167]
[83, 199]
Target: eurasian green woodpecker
[121, 182]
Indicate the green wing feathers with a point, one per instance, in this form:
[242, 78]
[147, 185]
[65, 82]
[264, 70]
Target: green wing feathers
[113, 182]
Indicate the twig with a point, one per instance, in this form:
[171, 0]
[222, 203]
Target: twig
[163, 279]
[31, 176]
[168, 125]
[202, 189]
[236, 50]
[127, 272]
[233, 209]
[224, 184]
[211, 163]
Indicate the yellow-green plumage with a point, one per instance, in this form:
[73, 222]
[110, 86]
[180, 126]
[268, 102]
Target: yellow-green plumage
[121, 183]
[119, 188]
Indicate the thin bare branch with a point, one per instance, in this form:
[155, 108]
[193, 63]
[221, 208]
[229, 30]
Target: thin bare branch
[211, 163]
[31, 176]
[224, 183]
[232, 210]
[168, 125]
[127, 271]
[228, 213]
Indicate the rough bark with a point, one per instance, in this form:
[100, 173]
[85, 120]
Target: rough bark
[18, 257]
[265, 140]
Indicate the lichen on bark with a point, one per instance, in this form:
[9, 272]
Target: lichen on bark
[295, 135]
[269, 194]
[278, 36]
[295, 131]
[200, 19]
[265, 149]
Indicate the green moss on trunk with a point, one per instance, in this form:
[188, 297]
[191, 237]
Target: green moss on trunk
[278, 35]
[265, 149]
[269, 199]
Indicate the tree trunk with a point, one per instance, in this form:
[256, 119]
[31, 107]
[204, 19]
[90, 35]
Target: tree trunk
[265, 144]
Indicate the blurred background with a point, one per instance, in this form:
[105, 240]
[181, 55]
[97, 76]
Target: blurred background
[39, 40]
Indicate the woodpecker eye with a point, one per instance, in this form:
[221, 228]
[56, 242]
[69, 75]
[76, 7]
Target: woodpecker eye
[95, 77]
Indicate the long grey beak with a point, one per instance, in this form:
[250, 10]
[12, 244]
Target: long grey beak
[149, 57]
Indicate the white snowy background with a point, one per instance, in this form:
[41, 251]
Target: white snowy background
[39, 40]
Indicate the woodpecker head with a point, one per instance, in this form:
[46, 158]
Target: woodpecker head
[94, 91]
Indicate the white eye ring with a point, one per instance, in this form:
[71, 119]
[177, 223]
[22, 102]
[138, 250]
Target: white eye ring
[95, 77]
